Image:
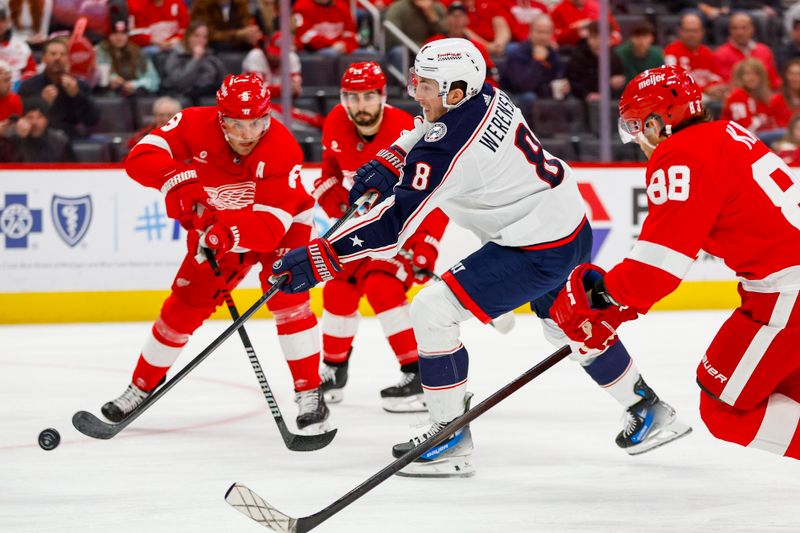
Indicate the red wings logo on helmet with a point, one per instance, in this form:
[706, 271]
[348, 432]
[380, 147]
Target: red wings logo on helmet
[243, 96]
[364, 76]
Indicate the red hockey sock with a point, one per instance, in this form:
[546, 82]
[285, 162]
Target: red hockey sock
[305, 373]
[147, 376]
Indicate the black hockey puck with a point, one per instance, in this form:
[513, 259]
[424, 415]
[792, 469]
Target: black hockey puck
[49, 439]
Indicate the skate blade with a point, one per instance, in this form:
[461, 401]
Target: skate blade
[315, 429]
[660, 437]
[333, 396]
[409, 404]
[441, 468]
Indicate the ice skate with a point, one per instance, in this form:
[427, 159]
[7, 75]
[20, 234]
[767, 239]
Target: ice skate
[452, 458]
[312, 415]
[649, 423]
[117, 409]
[334, 378]
[404, 397]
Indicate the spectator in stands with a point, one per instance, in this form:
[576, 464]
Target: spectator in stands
[638, 53]
[157, 25]
[265, 61]
[786, 102]
[716, 12]
[14, 50]
[583, 69]
[418, 19]
[35, 141]
[324, 26]
[488, 25]
[230, 25]
[71, 106]
[10, 102]
[192, 69]
[522, 13]
[122, 65]
[790, 48]
[572, 18]
[164, 109]
[788, 147]
[689, 52]
[749, 100]
[532, 68]
[741, 45]
[456, 23]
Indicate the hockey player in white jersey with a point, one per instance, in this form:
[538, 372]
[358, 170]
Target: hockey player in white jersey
[475, 158]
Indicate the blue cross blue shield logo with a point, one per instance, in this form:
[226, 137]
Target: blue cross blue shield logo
[71, 217]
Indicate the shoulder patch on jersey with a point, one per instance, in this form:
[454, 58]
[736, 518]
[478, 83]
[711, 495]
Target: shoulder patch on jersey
[487, 99]
[437, 131]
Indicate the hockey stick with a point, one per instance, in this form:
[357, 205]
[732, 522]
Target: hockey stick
[91, 426]
[504, 323]
[253, 506]
[295, 442]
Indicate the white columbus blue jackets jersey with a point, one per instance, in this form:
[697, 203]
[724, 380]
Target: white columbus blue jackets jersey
[485, 169]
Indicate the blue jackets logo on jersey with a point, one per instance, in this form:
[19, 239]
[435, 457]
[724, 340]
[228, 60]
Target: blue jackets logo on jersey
[71, 217]
[17, 220]
[437, 131]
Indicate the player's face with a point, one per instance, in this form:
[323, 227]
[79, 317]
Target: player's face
[426, 92]
[647, 135]
[243, 135]
[364, 107]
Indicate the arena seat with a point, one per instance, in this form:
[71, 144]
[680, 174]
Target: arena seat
[91, 152]
[116, 114]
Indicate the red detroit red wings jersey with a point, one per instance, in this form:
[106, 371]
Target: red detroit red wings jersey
[345, 150]
[261, 193]
[714, 187]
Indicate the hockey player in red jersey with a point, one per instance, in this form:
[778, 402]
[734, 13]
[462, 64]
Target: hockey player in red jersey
[711, 186]
[353, 133]
[244, 170]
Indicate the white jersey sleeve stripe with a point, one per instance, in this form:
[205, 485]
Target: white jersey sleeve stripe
[155, 140]
[284, 217]
[778, 425]
[661, 257]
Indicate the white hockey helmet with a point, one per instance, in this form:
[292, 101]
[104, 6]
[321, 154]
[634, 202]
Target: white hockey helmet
[446, 61]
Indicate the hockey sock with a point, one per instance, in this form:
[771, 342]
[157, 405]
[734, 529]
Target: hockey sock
[615, 371]
[387, 296]
[298, 336]
[444, 382]
[340, 320]
[773, 425]
[160, 350]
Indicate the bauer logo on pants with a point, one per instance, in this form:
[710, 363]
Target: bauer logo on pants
[71, 217]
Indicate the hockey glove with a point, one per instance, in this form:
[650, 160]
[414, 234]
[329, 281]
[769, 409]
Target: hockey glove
[220, 238]
[379, 175]
[398, 266]
[307, 266]
[423, 250]
[183, 192]
[593, 323]
[331, 196]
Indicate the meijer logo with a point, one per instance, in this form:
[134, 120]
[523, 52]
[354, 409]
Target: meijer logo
[652, 80]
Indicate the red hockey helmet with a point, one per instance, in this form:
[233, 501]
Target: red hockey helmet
[243, 97]
[364, 76]
[668, 94]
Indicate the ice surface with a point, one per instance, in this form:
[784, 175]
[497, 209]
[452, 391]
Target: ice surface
[545, 457]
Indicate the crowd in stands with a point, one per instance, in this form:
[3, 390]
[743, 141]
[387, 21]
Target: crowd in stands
[73, 89]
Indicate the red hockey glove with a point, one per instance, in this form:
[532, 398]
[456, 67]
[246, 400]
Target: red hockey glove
[380, 174]
[423, 249]
[220, 238]
[331, 196]
[398, 266]
[183, 192]
[307, 266]
[595, 329]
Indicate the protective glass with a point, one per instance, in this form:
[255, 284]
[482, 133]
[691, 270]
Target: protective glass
[424, 87]
[246, 130]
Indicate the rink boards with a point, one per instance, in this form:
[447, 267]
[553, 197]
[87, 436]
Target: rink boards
[87, 243]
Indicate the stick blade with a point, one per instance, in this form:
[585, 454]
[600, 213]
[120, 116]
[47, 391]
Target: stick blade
[91, 426]
[254, 507]
[309, 443]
